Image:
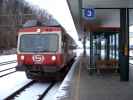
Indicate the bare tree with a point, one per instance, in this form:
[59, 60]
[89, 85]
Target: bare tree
[13, 14]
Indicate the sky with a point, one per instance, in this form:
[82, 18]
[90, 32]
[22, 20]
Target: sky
[60, 11]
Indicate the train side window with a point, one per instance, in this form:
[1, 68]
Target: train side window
[72, 47]
[64, 41]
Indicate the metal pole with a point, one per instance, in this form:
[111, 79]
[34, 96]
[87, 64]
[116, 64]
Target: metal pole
[124, 44]
[91, 51]
[84, 44]
[107, 46]
[112, 47]
[115, 49]
[99, 47]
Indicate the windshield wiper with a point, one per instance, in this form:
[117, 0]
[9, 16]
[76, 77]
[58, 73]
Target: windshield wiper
[40, 51]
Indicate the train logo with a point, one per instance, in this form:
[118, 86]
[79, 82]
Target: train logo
[38, 59]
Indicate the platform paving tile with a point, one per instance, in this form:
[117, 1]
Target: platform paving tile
[97, 87]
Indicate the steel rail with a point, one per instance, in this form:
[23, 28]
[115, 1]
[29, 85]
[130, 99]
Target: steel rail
[46, 91]
[13, 95]
[10, 97]
[8, 73]
[7, 62]
[7, 69]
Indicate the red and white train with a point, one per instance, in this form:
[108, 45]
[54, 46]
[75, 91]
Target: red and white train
[44, 51]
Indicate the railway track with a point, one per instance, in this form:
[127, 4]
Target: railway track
[11, 72]
[27, 89]
[6, 71]
[8, 62]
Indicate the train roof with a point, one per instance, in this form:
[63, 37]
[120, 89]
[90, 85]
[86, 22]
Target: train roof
[41, 23]
[34, 23]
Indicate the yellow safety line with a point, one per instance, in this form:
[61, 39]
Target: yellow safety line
[77, 95]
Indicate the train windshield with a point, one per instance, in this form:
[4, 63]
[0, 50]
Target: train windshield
[39, 43]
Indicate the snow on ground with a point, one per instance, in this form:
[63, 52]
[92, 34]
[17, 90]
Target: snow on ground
[33, 92]
[7, 66]
[7, 71]
[11, 83]
[5, 58]
[51, 94]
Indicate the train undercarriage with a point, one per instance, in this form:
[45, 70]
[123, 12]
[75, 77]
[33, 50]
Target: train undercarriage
[40, 72]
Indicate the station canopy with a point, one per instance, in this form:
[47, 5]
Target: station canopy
[107, 14]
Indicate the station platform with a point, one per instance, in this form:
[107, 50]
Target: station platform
[80, 85]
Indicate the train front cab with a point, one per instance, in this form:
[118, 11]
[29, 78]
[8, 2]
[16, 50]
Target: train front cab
[42, 63]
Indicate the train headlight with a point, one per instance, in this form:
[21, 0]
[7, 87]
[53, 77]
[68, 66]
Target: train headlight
[53, 58]
[22, 57]
[38, 30]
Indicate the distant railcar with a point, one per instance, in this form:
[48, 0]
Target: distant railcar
[44, 50]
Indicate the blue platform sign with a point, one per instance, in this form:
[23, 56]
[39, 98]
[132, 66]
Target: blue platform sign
[89, 13]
